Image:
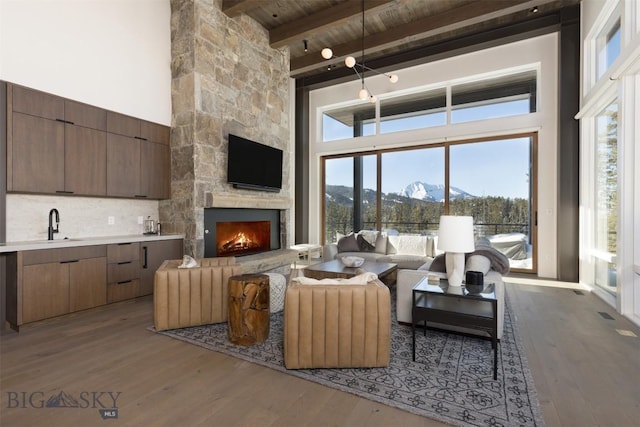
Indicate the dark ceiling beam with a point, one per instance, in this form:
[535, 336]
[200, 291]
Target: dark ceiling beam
[449, 20]
[324, 20]
[233, 8]
[470, 42]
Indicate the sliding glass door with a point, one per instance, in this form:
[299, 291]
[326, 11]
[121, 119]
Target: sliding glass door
[491, 181]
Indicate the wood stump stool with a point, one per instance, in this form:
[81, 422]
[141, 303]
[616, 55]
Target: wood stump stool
[248, 309]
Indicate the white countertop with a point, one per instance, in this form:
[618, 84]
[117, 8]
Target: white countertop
[82, 241]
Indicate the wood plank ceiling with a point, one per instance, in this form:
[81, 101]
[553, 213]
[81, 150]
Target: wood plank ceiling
[390, 26]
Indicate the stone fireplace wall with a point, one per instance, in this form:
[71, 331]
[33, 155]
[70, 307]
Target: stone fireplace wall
[225, 79]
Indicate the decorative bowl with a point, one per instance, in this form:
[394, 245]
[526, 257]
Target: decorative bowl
[352, 261]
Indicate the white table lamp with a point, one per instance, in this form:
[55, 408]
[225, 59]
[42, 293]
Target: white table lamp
[455, 238]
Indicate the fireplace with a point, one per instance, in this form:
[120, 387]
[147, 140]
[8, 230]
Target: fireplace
[240, 231]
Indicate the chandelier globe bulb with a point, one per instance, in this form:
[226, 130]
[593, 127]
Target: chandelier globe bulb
[350, 61]
[326, 53]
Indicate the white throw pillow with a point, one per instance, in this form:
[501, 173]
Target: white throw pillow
[188, 262]
[478, 263]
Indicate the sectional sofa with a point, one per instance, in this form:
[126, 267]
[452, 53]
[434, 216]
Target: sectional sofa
[408, 251]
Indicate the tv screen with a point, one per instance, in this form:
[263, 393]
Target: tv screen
[253, 166]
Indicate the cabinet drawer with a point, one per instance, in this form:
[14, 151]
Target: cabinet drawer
[123, 252]
[122, 291]
[43, 256]
[120, 272]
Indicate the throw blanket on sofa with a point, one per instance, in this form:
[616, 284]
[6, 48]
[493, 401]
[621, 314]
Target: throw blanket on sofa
[499, 262]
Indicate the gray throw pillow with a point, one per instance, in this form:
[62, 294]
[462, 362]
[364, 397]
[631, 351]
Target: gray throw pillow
[348, 244]
[364, 245]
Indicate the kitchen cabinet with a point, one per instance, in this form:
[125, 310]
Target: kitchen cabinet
[35, 154]
[143, 148]
[61, 281]
[155, 166]
[54, 145]
[60, 146]
[123, 166]
[45, 283]
[85, 161]
[123, 274]
[153, 254]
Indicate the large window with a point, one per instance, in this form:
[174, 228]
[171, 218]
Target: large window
[416, 111]
[348, 122]
[606, 199]
[608, 46]
[493, 98]
[508, 95]
[490, 180]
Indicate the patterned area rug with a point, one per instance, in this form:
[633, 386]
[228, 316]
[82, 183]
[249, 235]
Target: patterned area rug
[451, 380]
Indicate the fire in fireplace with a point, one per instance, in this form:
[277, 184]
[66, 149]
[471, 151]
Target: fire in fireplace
[240, 231]
[242, 237]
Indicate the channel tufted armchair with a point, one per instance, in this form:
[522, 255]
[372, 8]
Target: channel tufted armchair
[184, 297]
[344, 324]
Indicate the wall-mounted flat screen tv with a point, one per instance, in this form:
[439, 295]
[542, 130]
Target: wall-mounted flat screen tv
[254, 166]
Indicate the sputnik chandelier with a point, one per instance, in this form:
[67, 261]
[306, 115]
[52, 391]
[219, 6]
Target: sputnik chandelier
[351, 62]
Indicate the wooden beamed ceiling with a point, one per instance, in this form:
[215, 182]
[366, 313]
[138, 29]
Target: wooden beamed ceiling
[391, 26]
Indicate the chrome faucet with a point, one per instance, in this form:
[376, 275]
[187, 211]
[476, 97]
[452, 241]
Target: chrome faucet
[51, 230]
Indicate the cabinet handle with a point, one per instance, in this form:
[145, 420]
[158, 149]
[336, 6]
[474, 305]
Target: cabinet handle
[64, 121]
[64, 192]
[122, 244]
[144, 250]
[140, 195]
[123, 282]
[124, 262]
[141, 138]
[70, 261]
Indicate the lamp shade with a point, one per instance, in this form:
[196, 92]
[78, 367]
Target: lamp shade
[456, 234]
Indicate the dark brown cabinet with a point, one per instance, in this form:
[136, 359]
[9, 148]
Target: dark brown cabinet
[123, 166]
[123, 271]
[52, 282]
[143, 149]
[85, 161]
[55, 145]
[35, 154]
[155, 165]
[153, 254]
[61, 281]
[60, 146]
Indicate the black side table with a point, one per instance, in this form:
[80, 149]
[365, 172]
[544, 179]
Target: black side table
[456, 306]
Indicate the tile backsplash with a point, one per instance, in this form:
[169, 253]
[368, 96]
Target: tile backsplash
[28, 216]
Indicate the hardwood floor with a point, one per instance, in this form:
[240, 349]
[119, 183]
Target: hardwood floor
[585, 372]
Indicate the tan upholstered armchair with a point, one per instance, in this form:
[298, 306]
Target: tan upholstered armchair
[184, 297]
[337, 326]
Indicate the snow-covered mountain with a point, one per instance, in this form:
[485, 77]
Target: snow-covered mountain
[432, 193]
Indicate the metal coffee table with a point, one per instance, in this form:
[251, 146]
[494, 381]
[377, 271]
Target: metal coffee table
[456, 306]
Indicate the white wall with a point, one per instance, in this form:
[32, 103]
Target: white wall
[114, 54]
[541, 52]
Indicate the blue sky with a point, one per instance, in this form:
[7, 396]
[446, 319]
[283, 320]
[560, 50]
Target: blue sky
[494, 168]
[485, 169]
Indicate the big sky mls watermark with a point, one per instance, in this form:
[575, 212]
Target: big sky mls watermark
[105, 402]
